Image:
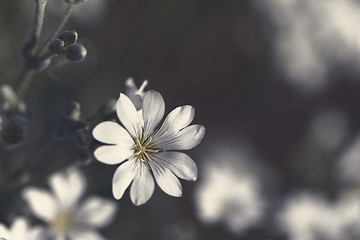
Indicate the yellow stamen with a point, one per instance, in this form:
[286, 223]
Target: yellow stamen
[144, 149]
[63, 222]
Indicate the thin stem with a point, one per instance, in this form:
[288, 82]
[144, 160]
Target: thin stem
[23, 82]
[31, 45]
[32, 160]
[48, 55]
[28, 71]
[58, 29]
[37, 156]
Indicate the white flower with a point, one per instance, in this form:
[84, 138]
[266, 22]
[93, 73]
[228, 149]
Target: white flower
[231, 198]
[146, 149]
[297, 23]
[231, 190]
[311, 217]
[20, 230]
[61, 210]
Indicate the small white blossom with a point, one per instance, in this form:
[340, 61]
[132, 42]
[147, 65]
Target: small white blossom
[61, 210]
[21, 230]
[147, 149]
[306, 45]
[231, 198]
[312, 217]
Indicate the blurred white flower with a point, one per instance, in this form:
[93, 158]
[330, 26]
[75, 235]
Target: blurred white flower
[61, 210]
[146, 149]
[230, 192]
[311, 37]
[21, 230]
[311, 217]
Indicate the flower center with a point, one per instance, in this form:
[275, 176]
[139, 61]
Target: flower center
[63, 222]
[144, 149]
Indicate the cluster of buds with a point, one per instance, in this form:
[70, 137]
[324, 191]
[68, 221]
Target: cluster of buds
[73, 125]
[67, 44]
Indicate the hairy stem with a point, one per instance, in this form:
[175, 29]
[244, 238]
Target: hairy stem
[57, 30]
[32, 59]
[23, 82]
[32, 44]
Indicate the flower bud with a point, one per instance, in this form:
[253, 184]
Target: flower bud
[70, 126]
[57, 46]
[72, 110]
[83, 138]
[69, 37]
[107, 109]
[9, 100]
[134, 93]
[71, 121]
[75, 52]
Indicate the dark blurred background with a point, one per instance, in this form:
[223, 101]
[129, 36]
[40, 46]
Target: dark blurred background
[275, 83]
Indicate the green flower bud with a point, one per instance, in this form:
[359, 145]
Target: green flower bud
[57, 46]
[83, 138]
[75, 52]
[9, 101]
[69, 37]
[107, 109]
[72, 110]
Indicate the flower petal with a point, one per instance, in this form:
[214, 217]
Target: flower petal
[186, 139]
[85, 234]
[19, 229]
[128, 115]
[179, 163]
[96, 212]
[112, 133]
[4, 232]
[113, 154]
[153, 111]
[166, 180]
[68, 187]
[177, 119]
[123, 176]
[143, 186]
[41, 203]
